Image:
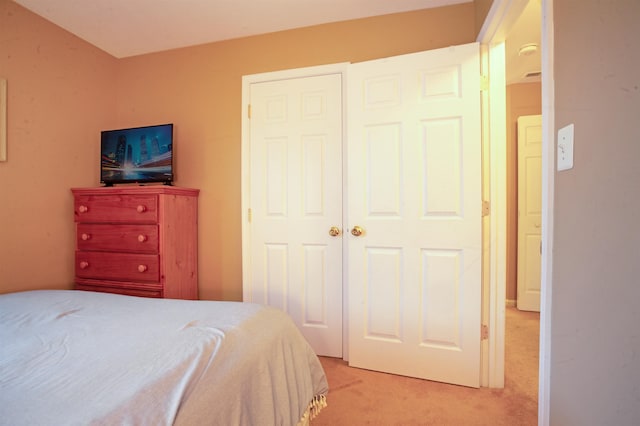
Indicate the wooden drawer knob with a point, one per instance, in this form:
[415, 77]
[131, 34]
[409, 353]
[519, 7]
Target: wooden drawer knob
[142, 268]
[83, 209]
[84, 264]
[142, 238]
[141, 209]
[85, 237]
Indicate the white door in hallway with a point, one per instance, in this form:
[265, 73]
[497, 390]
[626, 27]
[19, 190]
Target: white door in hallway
[296, 198]
[529, 212]
[414, 192]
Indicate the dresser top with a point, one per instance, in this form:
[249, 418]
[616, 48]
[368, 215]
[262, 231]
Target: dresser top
[137, 190]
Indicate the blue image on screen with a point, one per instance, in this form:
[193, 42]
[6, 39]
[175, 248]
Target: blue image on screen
[142, 154]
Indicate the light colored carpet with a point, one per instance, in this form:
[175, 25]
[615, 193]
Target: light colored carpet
[362, 397]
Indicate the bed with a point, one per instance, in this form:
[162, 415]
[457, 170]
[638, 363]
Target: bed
[84, 358]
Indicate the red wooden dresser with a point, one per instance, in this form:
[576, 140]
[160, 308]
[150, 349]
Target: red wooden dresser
[137, 240]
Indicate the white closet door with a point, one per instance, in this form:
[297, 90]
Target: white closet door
[296, 198]
[414, 188]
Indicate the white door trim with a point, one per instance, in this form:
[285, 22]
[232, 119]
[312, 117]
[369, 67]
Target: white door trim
[502, 15]
[498, 219]
[548, 170]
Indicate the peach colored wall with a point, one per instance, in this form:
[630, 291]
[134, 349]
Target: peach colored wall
[199, 90]
[63, 91]
[522, 99]
[482, 10]
[60, 94]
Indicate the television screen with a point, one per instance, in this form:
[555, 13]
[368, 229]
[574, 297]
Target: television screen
[137, 155]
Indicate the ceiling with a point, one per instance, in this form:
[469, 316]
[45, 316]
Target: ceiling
[133, 27]
[125, 28]
[526, 30]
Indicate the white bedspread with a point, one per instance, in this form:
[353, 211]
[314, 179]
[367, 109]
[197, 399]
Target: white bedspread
[84, 358]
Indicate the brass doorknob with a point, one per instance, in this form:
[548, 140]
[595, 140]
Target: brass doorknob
[334, 231]
[357, 231]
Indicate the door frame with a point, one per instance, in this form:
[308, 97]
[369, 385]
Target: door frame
[502, 15]
[494, 237]
[245, 202]
[500, 19]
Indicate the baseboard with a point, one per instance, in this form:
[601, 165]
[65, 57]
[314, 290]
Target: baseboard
[510, 303]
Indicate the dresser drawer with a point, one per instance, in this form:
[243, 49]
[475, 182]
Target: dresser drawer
[115, 208]
[117, 266]
[129, 291]
[123, 238]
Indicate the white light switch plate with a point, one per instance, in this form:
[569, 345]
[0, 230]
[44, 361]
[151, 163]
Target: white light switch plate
[565, 148]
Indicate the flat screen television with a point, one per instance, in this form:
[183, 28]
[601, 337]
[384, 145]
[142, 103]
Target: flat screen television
[137, 155]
